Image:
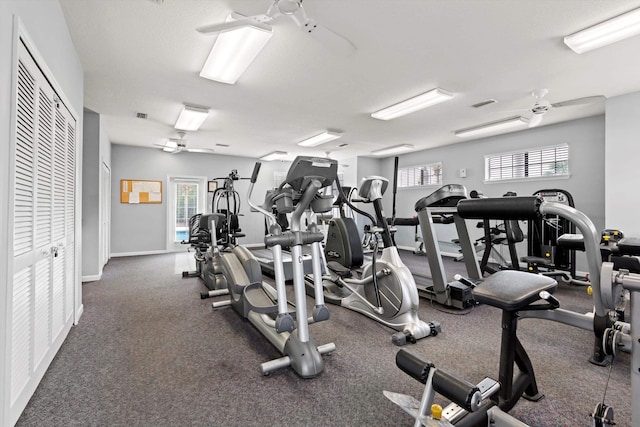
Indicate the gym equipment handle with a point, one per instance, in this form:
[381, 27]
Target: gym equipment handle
[413, 366]
[457, 390]
[505, 208]
[256, 170]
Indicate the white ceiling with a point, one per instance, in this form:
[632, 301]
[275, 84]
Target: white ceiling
[140, 56]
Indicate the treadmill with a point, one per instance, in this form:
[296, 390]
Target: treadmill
[440, 207]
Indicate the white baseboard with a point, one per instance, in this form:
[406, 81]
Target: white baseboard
[123, 254]
[93, 278]
[79, 312]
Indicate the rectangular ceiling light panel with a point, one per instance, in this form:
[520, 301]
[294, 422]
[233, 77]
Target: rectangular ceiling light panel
[320, 139]
[274, 156]
[492, 127]
[393, 150]
[233, 52]
[191, 118]
[427, 99]
[605, 33]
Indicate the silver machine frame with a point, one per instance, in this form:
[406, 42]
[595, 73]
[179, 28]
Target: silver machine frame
[288, 333]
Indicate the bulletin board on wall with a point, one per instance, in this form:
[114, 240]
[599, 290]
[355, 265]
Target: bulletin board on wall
[134, 191]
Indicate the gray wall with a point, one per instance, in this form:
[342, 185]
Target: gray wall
[96, 151]
[621, 167]
[586, 140]
[139, 229]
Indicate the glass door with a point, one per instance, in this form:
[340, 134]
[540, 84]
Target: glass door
[187, 198]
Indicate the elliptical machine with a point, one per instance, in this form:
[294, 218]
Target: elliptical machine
[284, 324]
[386, 292]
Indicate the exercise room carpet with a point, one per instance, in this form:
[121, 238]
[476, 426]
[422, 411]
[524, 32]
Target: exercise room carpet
[149, 352]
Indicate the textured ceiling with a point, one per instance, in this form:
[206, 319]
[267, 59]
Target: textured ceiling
[141, 56]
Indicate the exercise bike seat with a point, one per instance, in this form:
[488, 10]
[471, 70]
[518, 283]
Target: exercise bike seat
[512, 290]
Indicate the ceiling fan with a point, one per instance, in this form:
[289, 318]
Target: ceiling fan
[542, 106]
[178, 145]
[294, 10]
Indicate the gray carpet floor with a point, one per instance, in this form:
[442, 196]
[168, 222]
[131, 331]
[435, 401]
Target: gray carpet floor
[149, 352]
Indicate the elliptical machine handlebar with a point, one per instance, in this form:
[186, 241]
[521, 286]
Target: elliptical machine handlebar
[271, 218]
[256, 171]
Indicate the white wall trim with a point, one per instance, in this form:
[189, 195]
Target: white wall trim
[125, 254]
[93, 278]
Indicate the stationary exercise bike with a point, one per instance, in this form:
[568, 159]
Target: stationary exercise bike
[284, 324]
[386, 292]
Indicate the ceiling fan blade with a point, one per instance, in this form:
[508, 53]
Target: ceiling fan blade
[258, 21]
[329, 39]
[580, 101]
[535, 120]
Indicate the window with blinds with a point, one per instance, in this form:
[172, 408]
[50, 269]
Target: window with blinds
[533, 163]
[420, 176]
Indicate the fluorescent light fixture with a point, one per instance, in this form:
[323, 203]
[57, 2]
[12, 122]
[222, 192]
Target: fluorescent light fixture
[393, 150]
[427, 99]
[233, 51]
[492, 127]
[191, 118]
[320, 139]
[605, 33]
[274, 156]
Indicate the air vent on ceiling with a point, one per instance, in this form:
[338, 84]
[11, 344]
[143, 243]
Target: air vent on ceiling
[222, 145]
[484, 103]
[141, 115]
[343, 145]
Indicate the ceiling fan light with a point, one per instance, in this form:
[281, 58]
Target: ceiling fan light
[233, 51]
[605, 33]
[320, 139]
[274, 156]
[492, 127]
[392, 150]
[191, 118]
[427, 99]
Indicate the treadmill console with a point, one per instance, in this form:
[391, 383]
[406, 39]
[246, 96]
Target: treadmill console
[445, 196]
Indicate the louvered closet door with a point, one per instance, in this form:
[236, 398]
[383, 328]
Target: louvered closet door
[43, 230]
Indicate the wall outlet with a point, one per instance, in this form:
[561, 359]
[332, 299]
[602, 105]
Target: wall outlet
[463, 173]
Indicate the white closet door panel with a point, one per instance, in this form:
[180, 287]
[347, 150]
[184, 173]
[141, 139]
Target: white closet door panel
[21, 331]
[43, 229]
[58, 293]
[24, 163]
[70, 195]
[44, 167]
[59, 176]
[42, 327]
[69, 281]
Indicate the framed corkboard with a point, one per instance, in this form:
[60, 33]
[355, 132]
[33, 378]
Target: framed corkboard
[135, 191]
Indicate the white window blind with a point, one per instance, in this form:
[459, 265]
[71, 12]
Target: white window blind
[533, 163]
[420, 176]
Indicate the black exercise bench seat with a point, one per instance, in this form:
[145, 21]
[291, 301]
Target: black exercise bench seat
[512, 290]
